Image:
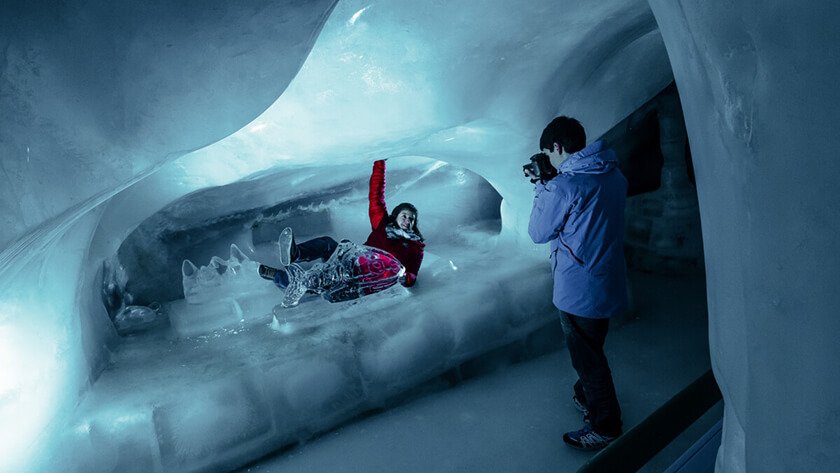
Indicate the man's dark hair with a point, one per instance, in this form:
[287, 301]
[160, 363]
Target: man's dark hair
[392, 219]
[565, 131]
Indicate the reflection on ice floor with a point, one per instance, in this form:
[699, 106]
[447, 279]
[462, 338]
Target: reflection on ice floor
[220, 399]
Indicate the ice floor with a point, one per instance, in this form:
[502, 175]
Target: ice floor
[512, 420]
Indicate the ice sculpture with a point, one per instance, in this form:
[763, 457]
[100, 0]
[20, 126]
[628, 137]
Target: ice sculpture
[235, 275]
[351, 272]
[136, 318]
[114, 279]
[221, 294]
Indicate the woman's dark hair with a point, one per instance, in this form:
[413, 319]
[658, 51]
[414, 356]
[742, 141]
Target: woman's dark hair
[392, 219]
[565, 131]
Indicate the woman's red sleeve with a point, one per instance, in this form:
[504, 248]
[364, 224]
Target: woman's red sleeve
[412, 267]
[376, 197]
[410, 279]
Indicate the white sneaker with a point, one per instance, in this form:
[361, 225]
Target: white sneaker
[285, 244]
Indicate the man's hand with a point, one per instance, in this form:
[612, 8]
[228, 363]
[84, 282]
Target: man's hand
[530, 175]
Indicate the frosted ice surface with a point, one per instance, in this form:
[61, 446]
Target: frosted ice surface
[232, 410]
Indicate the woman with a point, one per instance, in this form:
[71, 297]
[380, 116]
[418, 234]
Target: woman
[396, 233]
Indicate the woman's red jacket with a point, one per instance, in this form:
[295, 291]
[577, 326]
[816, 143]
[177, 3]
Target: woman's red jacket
[409, 252]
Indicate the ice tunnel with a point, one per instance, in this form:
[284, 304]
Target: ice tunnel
[135, 138]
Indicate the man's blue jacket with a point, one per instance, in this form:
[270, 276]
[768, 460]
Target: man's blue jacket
[581, 213]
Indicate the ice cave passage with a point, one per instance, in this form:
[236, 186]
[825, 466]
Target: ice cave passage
[135, 137]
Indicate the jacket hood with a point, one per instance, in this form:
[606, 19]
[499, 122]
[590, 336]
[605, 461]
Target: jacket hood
[594, 159]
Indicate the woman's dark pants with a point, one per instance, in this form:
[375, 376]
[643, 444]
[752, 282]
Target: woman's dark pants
[317, 248]
[594, 387]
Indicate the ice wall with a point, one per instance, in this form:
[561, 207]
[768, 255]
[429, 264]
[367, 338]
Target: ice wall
[95, 97]
[758, 86]
[101, 94]
[450, 83]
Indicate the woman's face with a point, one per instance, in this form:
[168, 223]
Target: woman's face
[405, 219]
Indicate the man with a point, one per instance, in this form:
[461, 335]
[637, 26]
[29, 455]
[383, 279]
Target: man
[581, 213]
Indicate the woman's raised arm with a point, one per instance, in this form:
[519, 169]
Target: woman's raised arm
[376, 196]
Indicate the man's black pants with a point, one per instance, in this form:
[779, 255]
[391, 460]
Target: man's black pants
[594, 387]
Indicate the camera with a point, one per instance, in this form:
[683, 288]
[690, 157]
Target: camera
[540, 166]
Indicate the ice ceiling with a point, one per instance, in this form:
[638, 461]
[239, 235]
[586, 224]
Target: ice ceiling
[111, 112]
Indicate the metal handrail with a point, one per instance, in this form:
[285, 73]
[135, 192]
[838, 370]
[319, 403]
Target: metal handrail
[637, 446]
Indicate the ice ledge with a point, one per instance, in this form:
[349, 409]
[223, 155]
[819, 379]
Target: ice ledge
[221, 400]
